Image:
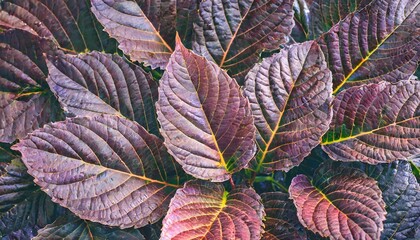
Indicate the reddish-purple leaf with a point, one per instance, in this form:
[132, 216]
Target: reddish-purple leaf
[25, 102]
[96, 83]
[340, 204]
[233, 33]
[290, 94]
[376, 123]
[381, 42]
[67, 22]
[281, 221]
[206, 122]
[326, 13]
[147, 36]
[205, 210]
[105, 169]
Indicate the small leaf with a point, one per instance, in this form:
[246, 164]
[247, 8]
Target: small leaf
[206, 122]
[381, 42]
[68, 22]
[25, 102]
[96, 83]
[281, 221]
[339, 203]
[242, 29]
[376, 123]
[23, 207]
[326, 13]
[73, 228]
[205, 210]
[104, 169]
[290, 94]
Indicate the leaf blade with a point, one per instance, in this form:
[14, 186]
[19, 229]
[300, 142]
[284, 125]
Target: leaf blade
[209, 119]
[339, 203]
[116, 156]
[375, 123]
[216, 206]
[290, 94]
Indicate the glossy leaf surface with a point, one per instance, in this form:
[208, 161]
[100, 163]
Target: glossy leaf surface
[23, 207]
[290, 94]
[67, 22]
[242, 30]
[281, 221]
[206, 122]
[25, 103]
[376, 123]
[381, 42]
[97, 83]
[73, 228]
[104, 169]
[205, 210]
[326, 13]
[339, 203]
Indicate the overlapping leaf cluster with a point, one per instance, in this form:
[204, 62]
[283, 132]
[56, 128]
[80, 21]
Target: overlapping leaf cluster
[254, 119]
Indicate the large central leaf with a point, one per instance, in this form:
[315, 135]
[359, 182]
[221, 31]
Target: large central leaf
[204, 210]
[381, 42]
[206, 122]
[290, 94]
[233, 33]
[104, 169]
[339, 203]
[376, 123]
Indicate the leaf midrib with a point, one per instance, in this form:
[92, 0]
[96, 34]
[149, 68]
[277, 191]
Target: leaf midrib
[370, 53]
[367, 132]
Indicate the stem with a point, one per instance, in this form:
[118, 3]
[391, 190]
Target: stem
[231, 182]
[272, 180]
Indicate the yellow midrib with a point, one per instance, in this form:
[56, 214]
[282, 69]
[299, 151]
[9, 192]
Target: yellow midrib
[366, 133]
[216, 215]
[365, 59]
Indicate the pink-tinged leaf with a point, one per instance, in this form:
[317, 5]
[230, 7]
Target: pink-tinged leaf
[146, 36]
[234, 33]
[205, 210]
[206, 122]
[281, 220]
[25, 102]
[375, 123]
[97, 83]
[381, 42]
[105, 169]
[290, 95]
[68, 22]
[339, 203]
